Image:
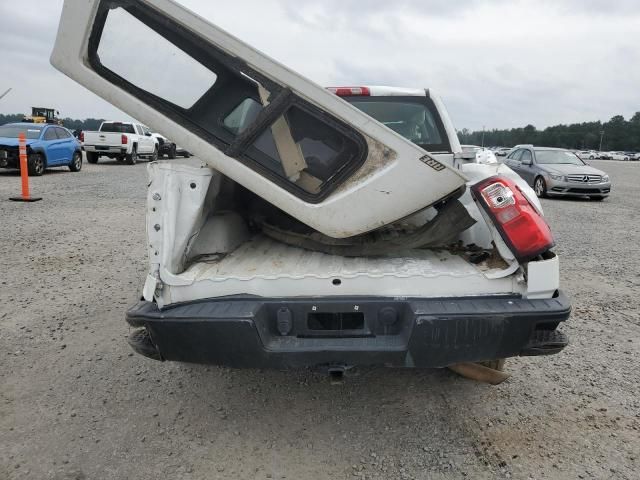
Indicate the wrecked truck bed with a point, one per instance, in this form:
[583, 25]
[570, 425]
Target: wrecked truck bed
[225, 294]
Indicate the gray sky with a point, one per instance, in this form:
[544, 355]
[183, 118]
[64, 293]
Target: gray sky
[497, 63]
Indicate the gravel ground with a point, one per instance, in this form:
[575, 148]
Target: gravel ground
[75, 403]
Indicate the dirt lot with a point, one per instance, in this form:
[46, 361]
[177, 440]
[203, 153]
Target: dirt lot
[75, 403]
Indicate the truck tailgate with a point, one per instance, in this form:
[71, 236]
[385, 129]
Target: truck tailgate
[103, 139]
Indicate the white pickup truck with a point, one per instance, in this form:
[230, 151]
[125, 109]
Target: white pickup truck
[320, 228]
[124, 141]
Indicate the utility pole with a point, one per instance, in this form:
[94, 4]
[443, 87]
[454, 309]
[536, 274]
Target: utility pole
[8, 90]
[601, 137]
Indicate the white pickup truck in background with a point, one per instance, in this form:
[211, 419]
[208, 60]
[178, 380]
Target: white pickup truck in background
[124, 141]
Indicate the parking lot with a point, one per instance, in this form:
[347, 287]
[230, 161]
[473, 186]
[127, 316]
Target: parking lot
[76, 403]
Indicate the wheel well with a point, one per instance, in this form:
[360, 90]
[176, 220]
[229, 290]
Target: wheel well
[40, 151]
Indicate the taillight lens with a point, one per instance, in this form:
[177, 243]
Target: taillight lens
[520, 224]
[350, 91]
[82, 136]
[124, 139]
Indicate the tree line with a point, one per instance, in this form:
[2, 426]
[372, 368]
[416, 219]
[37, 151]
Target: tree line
[617, 134]
[70, 123]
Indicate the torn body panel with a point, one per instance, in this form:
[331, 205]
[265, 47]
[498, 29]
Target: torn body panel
[199, 249]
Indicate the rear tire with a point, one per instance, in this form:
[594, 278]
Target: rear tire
[76, 162]
[132, 157]
[172, 153]
[35, 165]
[540, 186]
[92, 157]
[154, 155]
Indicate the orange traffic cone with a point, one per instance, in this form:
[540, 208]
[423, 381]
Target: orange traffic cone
[24, 172]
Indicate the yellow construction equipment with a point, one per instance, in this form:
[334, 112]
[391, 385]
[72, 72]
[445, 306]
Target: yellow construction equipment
[43, 115]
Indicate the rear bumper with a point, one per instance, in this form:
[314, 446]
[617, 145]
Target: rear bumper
[105, 150]
[280, 333]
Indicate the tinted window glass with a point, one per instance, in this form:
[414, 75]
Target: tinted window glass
[319, 151]
[132, 50]
[322, 150]
[13, 131]
[62, 133]
[526, 156]
[115, 127]
[550, 157]
[242, 116]
[410, 119]
[516, 155]
[50, 134]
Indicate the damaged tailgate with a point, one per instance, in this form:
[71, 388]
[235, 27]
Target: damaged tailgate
[278, 134]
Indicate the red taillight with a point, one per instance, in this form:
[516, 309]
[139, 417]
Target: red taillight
[124, 139]
[521, 225]
[82, 136]
[350, 91]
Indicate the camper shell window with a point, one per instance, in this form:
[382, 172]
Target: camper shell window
[224, 101]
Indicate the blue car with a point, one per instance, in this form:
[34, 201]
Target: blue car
[47, 146]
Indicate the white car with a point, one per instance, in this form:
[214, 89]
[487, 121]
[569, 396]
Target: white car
[320, 228]
[124, 141]
[618, 156]
[482, 155]
[588, 155]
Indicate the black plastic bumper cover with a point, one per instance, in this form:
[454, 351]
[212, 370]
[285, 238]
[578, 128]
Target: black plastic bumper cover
[250, 332]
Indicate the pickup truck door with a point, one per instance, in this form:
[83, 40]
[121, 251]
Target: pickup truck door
[278, 134]
[145, 143]
[149, 139]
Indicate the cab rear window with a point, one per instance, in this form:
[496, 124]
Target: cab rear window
[117, 128]
[415, 118]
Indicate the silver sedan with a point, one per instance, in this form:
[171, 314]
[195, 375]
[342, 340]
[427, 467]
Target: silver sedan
[558, 172]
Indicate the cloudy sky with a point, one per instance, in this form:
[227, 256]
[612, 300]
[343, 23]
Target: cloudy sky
[497, 63]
